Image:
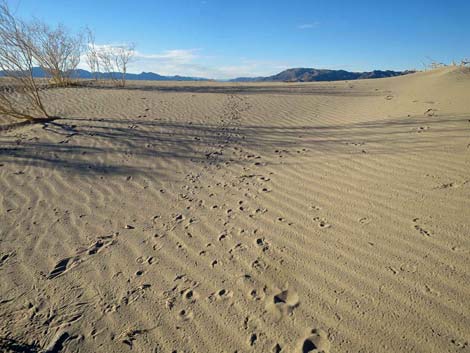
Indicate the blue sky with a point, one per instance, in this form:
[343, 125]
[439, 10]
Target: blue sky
[223, 39]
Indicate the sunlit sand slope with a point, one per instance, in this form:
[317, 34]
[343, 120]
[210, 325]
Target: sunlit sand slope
[208, 217]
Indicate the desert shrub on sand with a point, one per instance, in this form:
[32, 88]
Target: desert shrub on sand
[25, 46]
[114, 60]
[92, 58]
[20, 93]
[56, 50]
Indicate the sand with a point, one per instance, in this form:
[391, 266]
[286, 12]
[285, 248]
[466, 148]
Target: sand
[217, 217]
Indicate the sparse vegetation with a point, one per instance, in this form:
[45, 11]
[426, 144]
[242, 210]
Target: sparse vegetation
[123, 55]
[20, 93]
[56, 50]
[92, 57]
[114, 59]
[24, 46]
[433, 64]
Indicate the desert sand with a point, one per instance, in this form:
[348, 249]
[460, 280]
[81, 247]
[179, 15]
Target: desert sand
[218, 217]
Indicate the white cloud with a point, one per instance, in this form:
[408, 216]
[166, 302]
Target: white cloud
[190, 62]
[308, 25]
[175, 55]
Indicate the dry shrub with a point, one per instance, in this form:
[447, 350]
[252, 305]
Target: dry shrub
[56, 50]
[20, 94]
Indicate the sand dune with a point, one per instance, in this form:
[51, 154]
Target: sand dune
[216, 217]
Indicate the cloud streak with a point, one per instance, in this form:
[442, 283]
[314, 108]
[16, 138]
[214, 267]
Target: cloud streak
[308, 25]
[191, 62]
[175, 55]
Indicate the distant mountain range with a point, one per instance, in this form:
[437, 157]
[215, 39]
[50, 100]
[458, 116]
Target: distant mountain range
[144, 76]
[311, 75]
[290, 75]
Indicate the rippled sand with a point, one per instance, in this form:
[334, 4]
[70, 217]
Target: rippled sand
[210, 217]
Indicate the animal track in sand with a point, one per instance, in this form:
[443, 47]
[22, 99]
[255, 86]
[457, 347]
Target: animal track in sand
[411, 268]
[82, 255]
[356, 144]
[222, 236]
[149, 260]
[190, 295]
[460, 249]
[255, 295]
[261, 242]
[452, 185]
[364, 220]
[430, 112]
[185, 315]
[420, 229]
[5, 257]
[221, 294]
[129, 336]
[259, 265]
[130, 297]
[283, 303]
[316, 342]
[239, 247]
[253, 338]
[421, 129]
[322, 223]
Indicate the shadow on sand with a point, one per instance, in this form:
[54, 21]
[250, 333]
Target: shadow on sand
[290, 88]
[128, 146]
[12, 346]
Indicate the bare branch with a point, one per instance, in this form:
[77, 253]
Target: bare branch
[123, 56]
[20, 94]
[115, 60]
[92, 57]
[56, 50]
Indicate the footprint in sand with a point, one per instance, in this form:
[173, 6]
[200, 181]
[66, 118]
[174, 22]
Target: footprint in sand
[148, 260]
[283, 303]
[185, 315]
[259, 265]
[222, 236]
[430, 112]
[421, 129]
[322, 223]
[253, 338]
[82, 255]
[129, 336]
[222, 294]
[364, 220]
[261, 242]
[420, 229]
[190, 295]
[316, 342]
[59, 268]
[5, 257]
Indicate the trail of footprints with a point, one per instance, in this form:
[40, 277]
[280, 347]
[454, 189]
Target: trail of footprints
[280, 304]
[182, 298]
